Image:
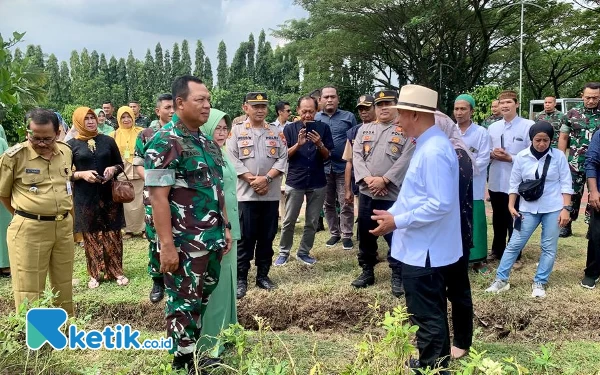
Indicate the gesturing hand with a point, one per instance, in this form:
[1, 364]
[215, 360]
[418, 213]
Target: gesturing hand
[385, 221]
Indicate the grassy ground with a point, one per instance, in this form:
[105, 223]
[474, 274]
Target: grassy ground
[321, 299]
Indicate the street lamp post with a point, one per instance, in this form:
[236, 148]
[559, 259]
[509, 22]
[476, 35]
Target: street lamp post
[523, 3]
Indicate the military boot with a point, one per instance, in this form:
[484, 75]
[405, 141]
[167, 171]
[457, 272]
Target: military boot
[242, 284]
[262, 278]
[566, 231]
[397, 287]
[366, 278]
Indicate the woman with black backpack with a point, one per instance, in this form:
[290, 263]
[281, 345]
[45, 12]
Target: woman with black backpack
[541, 177]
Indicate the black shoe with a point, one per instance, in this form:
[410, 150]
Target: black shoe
[566, 231]
[157, 293]
[242, 288]
[187, 362]
[588, 282]
[332, 241]
[263, 282]
[397, 287]
[320, 225]
[366, 278]
[347, 244]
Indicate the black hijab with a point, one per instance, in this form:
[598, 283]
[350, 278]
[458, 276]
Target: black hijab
[540, 127]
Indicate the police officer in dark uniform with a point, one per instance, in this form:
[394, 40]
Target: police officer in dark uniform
[381, 155]
[259, 154]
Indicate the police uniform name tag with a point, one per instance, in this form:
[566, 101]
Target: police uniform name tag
[34, 171]
[69, 190]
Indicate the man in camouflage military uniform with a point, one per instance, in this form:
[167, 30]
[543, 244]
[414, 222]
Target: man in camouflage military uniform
[381, 156]
[259, 154]
[577, 132]
[496, 115]
[184, 171]
[554, 117]
[164, 111]
[108, 109]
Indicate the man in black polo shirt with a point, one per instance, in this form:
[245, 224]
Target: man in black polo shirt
[309, 143]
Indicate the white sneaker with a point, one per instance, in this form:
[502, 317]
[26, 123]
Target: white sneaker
[538, 290]
[498, 286]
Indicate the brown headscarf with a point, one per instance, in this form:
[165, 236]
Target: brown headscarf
[79, 124]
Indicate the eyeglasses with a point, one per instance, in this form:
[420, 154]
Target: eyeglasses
[45, 141]
[220, 130]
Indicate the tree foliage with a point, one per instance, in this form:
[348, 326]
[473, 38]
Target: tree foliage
[22, 84]
[451, 46]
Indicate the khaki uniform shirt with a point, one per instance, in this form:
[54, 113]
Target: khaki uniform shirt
[36, 185]
[347, 155]
[257, 151]
[381, 150]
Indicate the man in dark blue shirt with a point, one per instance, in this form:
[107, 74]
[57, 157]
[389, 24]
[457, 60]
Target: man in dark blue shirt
[309, 144]
[592, 171]
[339, 122]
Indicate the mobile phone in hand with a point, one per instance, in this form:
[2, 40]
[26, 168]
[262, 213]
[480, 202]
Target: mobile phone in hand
[101, 178]
[518, 222]
[310, 126]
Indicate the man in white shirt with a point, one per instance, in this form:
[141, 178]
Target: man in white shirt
[508, 136]
[283, 114]
[426, 223]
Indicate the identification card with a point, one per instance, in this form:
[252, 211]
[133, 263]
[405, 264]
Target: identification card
[126, 154]
[69, 190]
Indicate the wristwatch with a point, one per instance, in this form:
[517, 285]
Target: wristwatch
[228, 225]
[568, 208]
[269, 179]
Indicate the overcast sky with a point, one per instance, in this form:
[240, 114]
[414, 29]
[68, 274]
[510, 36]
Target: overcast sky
[113, 27]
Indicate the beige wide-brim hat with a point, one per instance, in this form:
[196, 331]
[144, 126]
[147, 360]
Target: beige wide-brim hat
[417, 98]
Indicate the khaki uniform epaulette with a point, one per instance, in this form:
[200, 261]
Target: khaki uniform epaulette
[12, 151]
[64, 144]
[238, 123]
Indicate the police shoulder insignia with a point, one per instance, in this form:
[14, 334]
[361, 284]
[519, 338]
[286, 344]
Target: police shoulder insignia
[12, 151]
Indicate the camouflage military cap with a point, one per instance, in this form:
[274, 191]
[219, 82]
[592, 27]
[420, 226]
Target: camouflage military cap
[386, 96]
[365, 101]
[254, 98]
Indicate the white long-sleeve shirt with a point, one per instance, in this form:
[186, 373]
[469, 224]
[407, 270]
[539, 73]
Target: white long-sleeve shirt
[558, 180]
[427, 212]
[514, 137]
[478, 141]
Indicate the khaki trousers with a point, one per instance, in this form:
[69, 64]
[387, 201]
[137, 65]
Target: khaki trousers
[37, 249]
